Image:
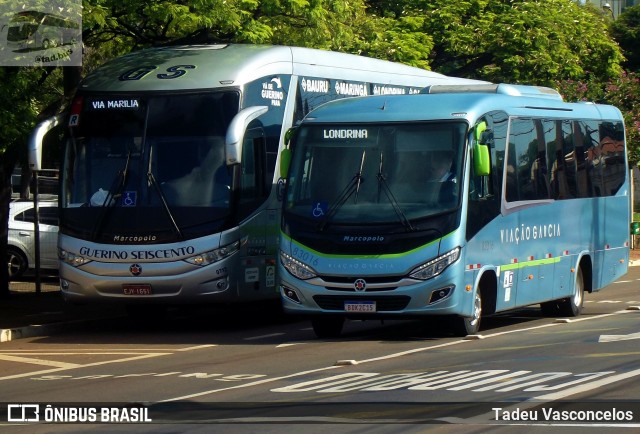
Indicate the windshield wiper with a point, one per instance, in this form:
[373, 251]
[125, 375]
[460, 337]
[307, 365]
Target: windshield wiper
[382, 181]
[115, 190]
[352, 187]
[165, 205]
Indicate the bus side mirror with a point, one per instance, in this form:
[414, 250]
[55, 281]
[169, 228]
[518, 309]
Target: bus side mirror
[285, 154]
[481, 165]
[36, 140]
[237, 128]
[285, 162]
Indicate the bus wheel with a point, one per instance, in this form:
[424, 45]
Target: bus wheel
[463, 326]
[572, 306]
[327, 326]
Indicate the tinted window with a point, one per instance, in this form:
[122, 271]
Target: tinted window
[564, 159]
[48, 215]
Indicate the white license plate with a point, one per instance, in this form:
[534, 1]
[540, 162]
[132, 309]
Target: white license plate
[360, 306]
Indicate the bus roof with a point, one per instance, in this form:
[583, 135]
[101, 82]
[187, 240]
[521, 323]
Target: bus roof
[226, 65]
[469, 105]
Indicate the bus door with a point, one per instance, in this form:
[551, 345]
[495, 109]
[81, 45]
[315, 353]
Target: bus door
[527, 187]
[257, 270]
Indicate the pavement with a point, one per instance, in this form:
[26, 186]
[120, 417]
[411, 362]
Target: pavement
[27, 313]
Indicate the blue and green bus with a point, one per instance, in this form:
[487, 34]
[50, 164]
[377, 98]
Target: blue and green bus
[460, 202]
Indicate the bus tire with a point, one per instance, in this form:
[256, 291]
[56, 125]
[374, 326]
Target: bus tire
[463, 326]
[327, 326]
[572, 306]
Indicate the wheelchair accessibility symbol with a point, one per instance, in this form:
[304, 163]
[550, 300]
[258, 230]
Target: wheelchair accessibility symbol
[319, 209]
[129, 198]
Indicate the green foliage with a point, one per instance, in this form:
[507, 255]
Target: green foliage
[24, 94]
[626, 31]
[520, 41]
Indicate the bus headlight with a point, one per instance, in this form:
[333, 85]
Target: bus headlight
[435, 266]
[297, 268]
[71, 258]
[216, 255]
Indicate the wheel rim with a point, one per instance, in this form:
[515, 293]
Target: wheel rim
[477, 310]
[579, 292]
[15, 264]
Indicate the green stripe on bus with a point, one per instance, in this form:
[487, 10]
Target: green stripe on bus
[517, 265]
[385, 256]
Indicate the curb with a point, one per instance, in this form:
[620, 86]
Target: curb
[36, 330]
[8, 335]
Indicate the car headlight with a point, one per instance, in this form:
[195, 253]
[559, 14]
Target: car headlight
[71, 258]
[435, 266]
[206, 258]
[297, 268]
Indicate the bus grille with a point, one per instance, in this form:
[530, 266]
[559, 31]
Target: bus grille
[383, 303]
[375, 283]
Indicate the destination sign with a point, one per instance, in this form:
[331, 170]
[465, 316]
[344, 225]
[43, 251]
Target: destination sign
[114, 104]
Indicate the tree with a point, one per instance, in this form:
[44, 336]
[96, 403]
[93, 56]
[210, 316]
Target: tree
[520, 41]
[139, 23]
[626, 31]
[24, 93]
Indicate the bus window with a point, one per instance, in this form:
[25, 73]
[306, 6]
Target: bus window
[526, 162]
[561, 159]
[605, 158]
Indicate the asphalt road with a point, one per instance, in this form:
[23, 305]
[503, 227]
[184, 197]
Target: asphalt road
[242, 371]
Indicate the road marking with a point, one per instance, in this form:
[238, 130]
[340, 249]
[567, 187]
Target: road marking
[255, 338]
[48, 371]
[38, 361]
[586, 387]
[197, 347]
[614, 338]
[381, 358]
[489, 418]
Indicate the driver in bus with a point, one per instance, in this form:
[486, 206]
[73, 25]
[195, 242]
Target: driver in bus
[442, 179]
[440, 166]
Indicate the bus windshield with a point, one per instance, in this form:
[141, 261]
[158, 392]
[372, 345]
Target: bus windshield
[370, 174]
[152, 164]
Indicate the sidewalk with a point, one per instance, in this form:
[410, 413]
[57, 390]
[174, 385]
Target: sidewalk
[26, 313]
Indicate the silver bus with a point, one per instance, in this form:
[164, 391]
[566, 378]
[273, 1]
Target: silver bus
[34, 30]
[169, 188]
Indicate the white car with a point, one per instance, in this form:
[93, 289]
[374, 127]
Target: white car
[21, 241]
